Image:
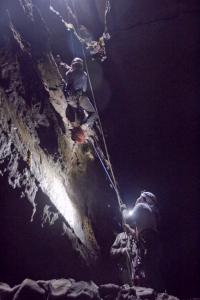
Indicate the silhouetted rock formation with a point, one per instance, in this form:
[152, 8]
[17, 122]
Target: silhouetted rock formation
[70, 289]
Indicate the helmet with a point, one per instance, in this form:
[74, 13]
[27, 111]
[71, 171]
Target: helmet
[78, 135]
[77, 63]
[58, 58]
[77, 60]
[150, 198]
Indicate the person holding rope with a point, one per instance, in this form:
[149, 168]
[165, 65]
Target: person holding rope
[79, 110]
[142, 223]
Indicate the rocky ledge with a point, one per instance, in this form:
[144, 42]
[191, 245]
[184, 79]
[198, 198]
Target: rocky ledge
[71, 289]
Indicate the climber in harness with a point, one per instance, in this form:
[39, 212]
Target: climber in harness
[80, 110]
[142, 223]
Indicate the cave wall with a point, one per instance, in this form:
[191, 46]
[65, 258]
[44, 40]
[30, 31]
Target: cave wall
[56, 201]
[150, 92]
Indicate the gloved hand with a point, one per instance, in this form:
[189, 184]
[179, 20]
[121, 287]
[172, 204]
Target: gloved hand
[125, 251]
[129, 230]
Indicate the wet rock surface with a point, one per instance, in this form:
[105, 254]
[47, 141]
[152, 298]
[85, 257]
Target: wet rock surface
[47, 200]
[71, 289]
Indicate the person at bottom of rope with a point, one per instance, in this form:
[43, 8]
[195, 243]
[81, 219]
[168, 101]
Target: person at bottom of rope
[80, 110]
[123, 251]
[142, 221]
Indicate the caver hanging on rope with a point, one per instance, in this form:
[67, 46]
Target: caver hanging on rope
[76, 86]
[108, 166]
[79, 109]
[110, 169]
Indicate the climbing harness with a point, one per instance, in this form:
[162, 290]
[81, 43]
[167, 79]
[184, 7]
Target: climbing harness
[106, 33]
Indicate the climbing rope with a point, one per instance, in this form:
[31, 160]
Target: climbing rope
[103, 165]
[71, 32]
[114, 181]
[106, 34]
[111, 177]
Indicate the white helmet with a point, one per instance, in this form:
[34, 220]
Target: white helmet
[77, 60]
[150, 198]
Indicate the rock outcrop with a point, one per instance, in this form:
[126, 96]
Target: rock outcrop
[70, 289]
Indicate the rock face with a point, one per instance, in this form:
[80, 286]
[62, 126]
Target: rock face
[46, 179]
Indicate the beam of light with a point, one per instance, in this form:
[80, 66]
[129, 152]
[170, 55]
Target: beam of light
[62, 201]
[53, 186]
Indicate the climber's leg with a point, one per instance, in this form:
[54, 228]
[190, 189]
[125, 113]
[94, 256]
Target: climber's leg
[89, 108]
[86, 104]
[71, 113]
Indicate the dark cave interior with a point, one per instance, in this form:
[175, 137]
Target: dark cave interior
[147, 91]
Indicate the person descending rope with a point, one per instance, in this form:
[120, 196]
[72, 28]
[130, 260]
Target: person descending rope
[142, 223]
[79, 110]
